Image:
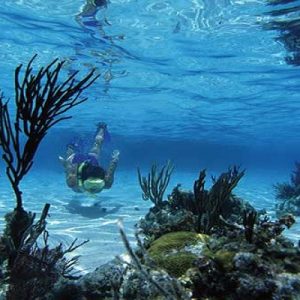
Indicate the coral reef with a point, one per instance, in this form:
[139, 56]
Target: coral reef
[176, 251]
[244, 256]
[288, 194]
[134, 276]
[199, 211]
[232, 268]
[209, 205]
[37, 268]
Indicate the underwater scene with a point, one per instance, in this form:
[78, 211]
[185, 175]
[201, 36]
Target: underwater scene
[150, 149]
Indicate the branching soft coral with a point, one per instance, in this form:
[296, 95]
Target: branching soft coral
[288, 194]
[41, 99]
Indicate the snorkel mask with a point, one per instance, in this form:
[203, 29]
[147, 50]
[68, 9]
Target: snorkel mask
[93, 185]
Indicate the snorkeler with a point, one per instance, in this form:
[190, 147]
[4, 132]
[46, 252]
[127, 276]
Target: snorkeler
[83, 172]
[91, 6]
[87, 16]
[92, 21]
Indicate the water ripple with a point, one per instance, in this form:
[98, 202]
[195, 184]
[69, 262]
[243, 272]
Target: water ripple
[180, 65]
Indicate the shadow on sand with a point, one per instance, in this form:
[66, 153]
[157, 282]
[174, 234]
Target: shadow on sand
[93, 211]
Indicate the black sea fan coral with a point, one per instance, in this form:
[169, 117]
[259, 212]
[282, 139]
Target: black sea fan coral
[41, 99]
[155, 184]
[208, 205]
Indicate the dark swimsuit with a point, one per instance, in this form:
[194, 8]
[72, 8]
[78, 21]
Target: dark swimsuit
[80, 158]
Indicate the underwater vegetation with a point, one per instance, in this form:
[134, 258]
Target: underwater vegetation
[241, 255]
[199, 210]
[206, 243]
[288, 194]
[28, 271]
[155, 184]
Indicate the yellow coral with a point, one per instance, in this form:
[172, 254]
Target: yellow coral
[176, 241]
[225, 259]
[171, 252]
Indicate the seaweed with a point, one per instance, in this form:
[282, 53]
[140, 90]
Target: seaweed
[249, 220]
[155, 184]
[41, 99]
[288, 194]
[37, 268]
[40, 102]
[245, 257]
[207, 205]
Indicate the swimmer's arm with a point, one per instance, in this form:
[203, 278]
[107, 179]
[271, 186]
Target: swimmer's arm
[66, 162]
[61, 159]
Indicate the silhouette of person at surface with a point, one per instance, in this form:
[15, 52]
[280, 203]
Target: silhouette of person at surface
[101, 47]
[87, 15]
[83, 171]
[87, 18]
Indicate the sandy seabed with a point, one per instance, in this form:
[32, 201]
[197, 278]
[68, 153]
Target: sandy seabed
[68, 221]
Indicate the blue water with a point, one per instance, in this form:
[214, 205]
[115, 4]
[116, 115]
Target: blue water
[207, 84]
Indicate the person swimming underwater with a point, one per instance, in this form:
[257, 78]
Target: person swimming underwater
[83, 171]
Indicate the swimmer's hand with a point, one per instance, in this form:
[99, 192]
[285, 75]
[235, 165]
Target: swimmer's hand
[62, 160]
[115, 155]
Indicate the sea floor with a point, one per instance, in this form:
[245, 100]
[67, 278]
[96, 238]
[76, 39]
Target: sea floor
[83, 217]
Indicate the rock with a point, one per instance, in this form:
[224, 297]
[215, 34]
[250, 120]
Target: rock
[250, 287]
[155, 224]
[244, 261]
[103, 281]
[288, 286]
